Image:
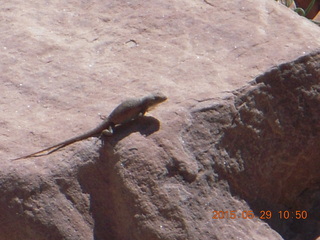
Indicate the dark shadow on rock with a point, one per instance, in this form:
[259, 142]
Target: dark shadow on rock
[145, 125]
[112, 215]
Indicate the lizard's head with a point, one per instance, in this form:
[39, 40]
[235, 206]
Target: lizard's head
[154, 99]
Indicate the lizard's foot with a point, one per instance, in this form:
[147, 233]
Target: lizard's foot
[107, 132]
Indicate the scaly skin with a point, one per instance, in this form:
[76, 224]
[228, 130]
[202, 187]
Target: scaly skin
[128, 110]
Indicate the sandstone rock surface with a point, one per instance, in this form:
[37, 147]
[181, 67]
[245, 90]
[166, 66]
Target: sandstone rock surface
[226, 140]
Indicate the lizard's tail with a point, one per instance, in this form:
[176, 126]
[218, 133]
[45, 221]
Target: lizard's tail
[56, 147]
[44, 152]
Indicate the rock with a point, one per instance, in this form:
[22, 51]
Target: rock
[264, 142]
[225, 145]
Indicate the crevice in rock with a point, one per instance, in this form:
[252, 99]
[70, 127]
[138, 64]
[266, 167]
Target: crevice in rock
[112, 206]
[99, 181]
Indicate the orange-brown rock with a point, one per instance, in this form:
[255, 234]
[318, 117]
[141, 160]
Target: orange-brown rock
[227, 144]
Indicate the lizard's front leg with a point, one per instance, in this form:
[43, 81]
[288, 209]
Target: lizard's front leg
[108, 131]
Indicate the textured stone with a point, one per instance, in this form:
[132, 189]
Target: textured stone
[222, 142]
[264, 140]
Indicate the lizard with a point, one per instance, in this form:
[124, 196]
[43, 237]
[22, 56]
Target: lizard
[126, 111]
